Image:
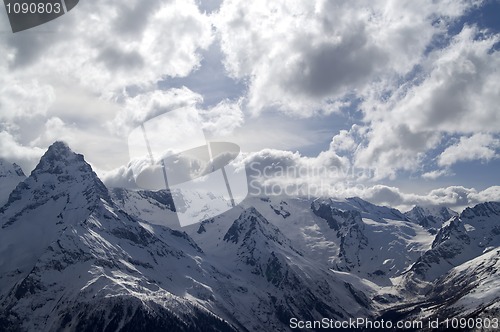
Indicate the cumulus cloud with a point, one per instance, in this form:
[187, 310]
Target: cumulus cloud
[106, 46]
[192, 126]
[24, 99]
[121, 177]
[391, 147]
[476, 147]
[305, 58]
[281, 172]
[54, 129]
[223, 118]
[457, 93]
[13, 151]
[343, 141]
[275, 172]
[145, 106]
[70, 77]
[461, 89]
[489, 194]
[454, 196]
[433, 175]
[301, 57]
[219, 120]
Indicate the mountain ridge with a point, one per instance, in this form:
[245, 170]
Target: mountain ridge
[72, 251]
[11, 175]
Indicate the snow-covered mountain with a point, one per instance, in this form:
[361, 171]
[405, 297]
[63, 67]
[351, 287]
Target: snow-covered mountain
[72, 259]
[76, 256]
[467, 236]
[469, 290]
[377, 243]
[271, 274]
[345, 234]
[465, 293]
[375, 248]
[458, 278]
[430, 217]
[350, 235]
[277, 277]
[10, 176]
[157, 207]
[61, 191]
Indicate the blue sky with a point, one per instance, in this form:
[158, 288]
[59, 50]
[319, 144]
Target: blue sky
[409, 90]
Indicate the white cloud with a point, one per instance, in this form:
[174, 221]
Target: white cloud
[487, 195]
[66, 79]
[222, 119]
[460, 89]
[121, 177]
[457, 94]
[107, 46]
[24, 99]
[284, 172]
[55, 129]
[456, 197]
[302, 56]
[146, 106]
[305, 57]
[271, 174]
[217, 121]
[274, 172]
[343, 141]
[476, 147]
[432, 175]
[11, 150]
[391, 147]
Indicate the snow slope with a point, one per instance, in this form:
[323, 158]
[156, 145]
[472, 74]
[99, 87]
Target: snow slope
[61, 191]
[430, 217]
[10, 176]
[468, 292]
[474, 232]
[350, 235]
[75, 256]
[72, 259]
